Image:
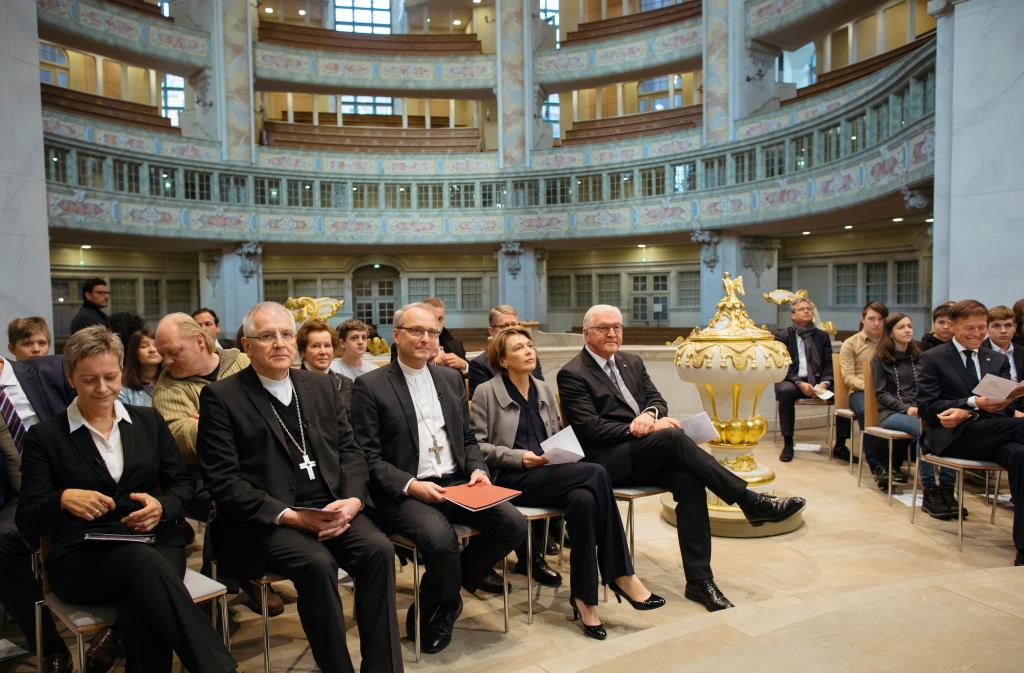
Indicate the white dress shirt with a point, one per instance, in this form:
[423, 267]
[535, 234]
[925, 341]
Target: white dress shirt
[12, 388]
[1014, 374]
[339, 366]
[110, 447]
[429, 424]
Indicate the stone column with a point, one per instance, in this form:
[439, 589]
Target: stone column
[231, 282]
[521, 280]
[24, 236]
[717, 122]
[979, 93]
[756, 259]
[515, 81]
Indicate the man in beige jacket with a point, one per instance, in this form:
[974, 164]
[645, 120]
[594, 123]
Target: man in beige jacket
[854, 359]
[191, 361]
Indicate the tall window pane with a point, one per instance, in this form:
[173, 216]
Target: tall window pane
[876, 282]
[558, 292]
[445, 289]
[845, 284]
[906, 282]
[609, 289]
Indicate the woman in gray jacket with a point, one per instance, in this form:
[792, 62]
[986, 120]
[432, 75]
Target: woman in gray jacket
[511, 415]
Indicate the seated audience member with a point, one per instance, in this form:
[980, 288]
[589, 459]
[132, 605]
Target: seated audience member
[1002, 326]
[208, 320]
[141, 369]
[290, 484]
[124, 324]
[942, 327]
[894, 370]
[810, 372]
[374, 344]
[95, 298]
[1018, 319]
[411, 419]
[316, 343]
[512, 414]
[499, 318]
[353, 336]
[190, 363]
[28, 338]
[960, 424]
[854, 358]
[622, 422]
[449, 351]
[136, 485]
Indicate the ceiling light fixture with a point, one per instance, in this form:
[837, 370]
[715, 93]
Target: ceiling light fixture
[86, 247]
[848, 227]
[268, 10]
[457, 22]
[641, 245]
[930, 220]
[897, 219]
[805, 233]
[302, 12]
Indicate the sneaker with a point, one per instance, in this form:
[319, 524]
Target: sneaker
[951, 503]
[842, 453]
[881, 475]
[935, 505]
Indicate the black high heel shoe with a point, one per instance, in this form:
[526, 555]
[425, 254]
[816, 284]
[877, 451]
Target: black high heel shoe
[595, 632]
[652, 602]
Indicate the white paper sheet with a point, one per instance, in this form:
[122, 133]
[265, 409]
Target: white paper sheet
[905, 498]
[998, 388]
[824, 394]
[562, 447]
[699, 428]
[806, 447]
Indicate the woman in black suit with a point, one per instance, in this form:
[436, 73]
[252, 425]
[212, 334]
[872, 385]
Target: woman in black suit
[102, 467]
[512, 414]
[317, 342]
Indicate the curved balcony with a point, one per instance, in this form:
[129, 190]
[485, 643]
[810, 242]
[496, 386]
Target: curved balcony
[678, 47]
[118, 32]
[787, 23]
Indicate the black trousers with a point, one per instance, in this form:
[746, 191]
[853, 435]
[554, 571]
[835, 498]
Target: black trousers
[19, 589]
[155, 613]
[670, 459]
[1000, 440]
[368, 556]
[584, 491]
[787, 393]
[501, 528]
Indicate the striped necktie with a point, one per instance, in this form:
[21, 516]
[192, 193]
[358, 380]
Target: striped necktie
[11, 419]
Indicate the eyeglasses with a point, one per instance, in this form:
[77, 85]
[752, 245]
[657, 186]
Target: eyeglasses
[605, 329]
[419, 332]
[268, 338]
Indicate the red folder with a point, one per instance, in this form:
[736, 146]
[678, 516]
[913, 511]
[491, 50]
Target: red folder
[479, 496]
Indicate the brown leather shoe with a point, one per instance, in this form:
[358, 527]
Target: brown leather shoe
[275, 605]
[103, 652]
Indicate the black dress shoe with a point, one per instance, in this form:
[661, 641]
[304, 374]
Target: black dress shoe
[771, 509]
[490, 584]
[551, 549]
[410, 619]
[437, 635]
[707, 593]
[950, 499]
[103, 652]
[542, 574]
[596, 632]
[881, 476]
[57, 662]
[787, 454]
[1019, 561]
[933, 504]
[652, 602]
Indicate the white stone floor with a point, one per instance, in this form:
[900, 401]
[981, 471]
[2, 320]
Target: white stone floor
[857, 588]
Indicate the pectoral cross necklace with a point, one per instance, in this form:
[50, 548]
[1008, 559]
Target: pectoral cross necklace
[306, 463]
[434, 447]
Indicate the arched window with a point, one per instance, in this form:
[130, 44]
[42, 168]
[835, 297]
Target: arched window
[53, 64]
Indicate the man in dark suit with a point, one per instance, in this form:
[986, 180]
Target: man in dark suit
[621, 420]
[31, 391]
[411, 418]
[289, 482]
[499, 318]
[810, 372]
[960, 424]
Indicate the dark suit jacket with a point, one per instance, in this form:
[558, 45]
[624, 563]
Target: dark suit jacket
[480, 371]
[54, 459]
[942, 384]
[45, 384]
[385, 424]
[248, 467]
[90, 314]
[598, 413]
[822, 343]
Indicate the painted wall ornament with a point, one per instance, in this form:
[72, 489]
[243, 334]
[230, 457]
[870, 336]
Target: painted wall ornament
[251, 255]
[758, 254]
[708, 241]
[512, 251]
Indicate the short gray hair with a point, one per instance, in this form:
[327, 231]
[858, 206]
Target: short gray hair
[500, 310]
[95, 340]
[249, 321]
[588, 317]
[400, 313]
[800, 300]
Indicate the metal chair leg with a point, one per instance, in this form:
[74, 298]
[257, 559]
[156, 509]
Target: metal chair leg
[416, 600]
[224, 621]
[266, 627]
[561, 544]
[913, 496]
[39, 635]
[632, 533]
[890, 471]
[81, 650]
[529, 572]
[995, 498]
[504, 588]
[960, 508]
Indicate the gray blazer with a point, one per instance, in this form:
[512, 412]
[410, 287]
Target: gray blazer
[495, 419]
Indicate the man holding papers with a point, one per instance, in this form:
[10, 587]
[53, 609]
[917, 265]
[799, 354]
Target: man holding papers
[621, 420]
[961, 423]
[411, 420]
[516, 422]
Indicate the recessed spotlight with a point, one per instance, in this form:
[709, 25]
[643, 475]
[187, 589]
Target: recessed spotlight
[428, 19]
[86, 247]
[641, 245]
[477, 2]
[897, 219]
[930, 219]
[302, 12]
[805, 233]
[268, 10]
[376, 266]
[457, 22]
[848, 227]
[853, 137]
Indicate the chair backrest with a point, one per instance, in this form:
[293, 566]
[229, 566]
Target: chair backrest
[870, 400]
[842, 399]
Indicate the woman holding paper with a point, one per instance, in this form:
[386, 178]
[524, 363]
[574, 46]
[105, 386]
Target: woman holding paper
[103, 468]
[512, 414]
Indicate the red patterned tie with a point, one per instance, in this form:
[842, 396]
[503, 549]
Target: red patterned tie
[11, 419]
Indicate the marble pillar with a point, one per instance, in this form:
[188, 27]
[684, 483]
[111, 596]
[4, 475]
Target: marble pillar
[514, 100]
[231, 282]
[24, 236]
[979, 155]
[521, 280]
[717, 121]
[756, 259]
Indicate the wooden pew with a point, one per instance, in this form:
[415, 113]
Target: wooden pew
[305, 37]
[633, 126]
[840, 76]
[634, 23]
[111, 110]
[372, 139]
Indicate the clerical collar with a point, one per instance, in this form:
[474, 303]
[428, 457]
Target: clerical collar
[411, 371]
[280, 389]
